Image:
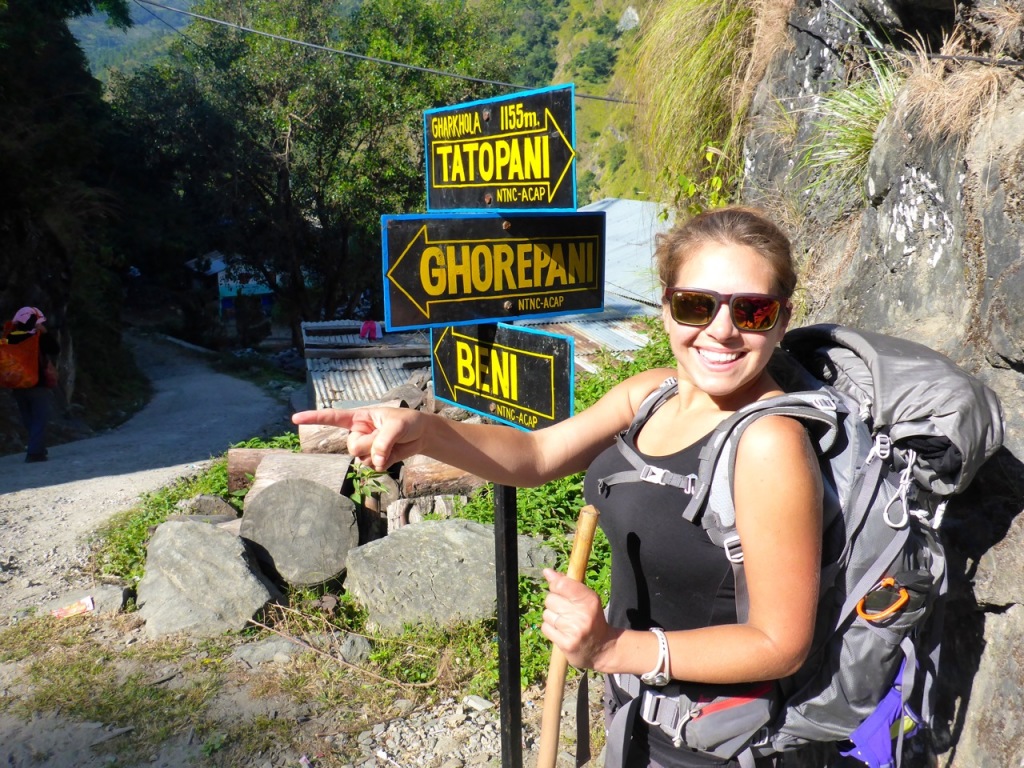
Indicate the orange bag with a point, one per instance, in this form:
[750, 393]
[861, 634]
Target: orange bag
[19, 363]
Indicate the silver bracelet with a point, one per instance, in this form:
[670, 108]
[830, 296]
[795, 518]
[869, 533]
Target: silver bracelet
[659, 676]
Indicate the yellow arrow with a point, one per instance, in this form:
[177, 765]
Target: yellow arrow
[444, 373]
[546, 359]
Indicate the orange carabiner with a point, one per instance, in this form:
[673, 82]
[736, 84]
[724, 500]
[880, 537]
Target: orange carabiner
[875, 616]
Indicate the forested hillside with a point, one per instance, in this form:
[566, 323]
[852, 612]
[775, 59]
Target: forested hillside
[551, 41]
[178, 138]
[106, 45]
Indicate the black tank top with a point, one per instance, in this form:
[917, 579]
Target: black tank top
[666, 572]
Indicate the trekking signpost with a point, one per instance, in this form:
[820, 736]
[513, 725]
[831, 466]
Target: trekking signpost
[509, 245]
[505, 153]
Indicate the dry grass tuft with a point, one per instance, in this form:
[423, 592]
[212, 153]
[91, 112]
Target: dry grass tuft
[945, 98]
[1006, 20]
[687, 67]
[771, 36]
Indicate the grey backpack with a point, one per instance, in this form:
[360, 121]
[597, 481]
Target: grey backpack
[899, 428]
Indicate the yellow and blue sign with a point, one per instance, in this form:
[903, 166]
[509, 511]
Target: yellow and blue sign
[471, 268]
[506, 153]
[517, 375]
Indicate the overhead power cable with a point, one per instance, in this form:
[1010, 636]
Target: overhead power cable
[165, 22]
[360, 56]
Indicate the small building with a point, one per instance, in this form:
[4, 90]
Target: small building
[243, 299]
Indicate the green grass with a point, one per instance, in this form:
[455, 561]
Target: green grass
[121, 550]
[836, 159]
[686, 74]
[66, 667]
[121, 547]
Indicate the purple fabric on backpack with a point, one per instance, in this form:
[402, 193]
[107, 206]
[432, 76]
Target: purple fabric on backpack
[873, 739]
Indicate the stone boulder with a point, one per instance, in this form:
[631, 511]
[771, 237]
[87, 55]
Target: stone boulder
[434, 572]
[201, 581]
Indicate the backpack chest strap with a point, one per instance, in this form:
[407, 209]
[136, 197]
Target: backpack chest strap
[644, 472]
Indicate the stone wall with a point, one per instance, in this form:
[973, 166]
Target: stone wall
[930, 251]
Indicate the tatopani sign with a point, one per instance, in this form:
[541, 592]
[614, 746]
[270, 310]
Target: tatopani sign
[472, 268]
[521, 376]
[504, 153]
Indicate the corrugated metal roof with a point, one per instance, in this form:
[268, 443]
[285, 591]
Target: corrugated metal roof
[345, 333]
[594, 333]
[339, 382]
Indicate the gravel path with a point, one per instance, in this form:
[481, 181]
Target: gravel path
[49, 510]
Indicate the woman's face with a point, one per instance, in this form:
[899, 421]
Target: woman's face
[719, 359]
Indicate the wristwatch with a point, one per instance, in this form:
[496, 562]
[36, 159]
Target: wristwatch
[659, 675]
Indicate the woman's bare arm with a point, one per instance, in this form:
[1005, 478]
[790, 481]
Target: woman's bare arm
[380, 437]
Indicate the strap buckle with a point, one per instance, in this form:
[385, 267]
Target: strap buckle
[733, 549]
[651, 474]
[882, 447]
[650, 703]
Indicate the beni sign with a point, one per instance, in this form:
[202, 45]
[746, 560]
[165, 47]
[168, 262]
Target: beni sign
[521, 376]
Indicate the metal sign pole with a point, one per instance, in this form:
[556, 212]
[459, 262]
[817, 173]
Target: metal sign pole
[506, 560]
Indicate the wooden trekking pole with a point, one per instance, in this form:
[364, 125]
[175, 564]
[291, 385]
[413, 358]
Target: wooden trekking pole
[551, 719]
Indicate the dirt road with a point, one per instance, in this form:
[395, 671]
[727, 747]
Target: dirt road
[49, 510]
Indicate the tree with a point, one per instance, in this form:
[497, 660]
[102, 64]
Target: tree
[57, 205]
[286, 156]
[51, 134]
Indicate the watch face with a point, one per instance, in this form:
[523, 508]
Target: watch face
[656, 679]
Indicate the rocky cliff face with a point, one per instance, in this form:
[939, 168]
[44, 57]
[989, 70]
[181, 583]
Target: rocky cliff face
[930, 249]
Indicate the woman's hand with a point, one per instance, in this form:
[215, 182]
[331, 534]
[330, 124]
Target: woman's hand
[574, 621]
[378, 437]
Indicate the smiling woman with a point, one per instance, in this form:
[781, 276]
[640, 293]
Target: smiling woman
[672, 615]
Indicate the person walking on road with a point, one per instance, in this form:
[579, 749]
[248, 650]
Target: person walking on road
[35, 402]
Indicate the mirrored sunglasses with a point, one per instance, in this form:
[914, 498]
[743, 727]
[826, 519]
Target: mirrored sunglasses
[697, 307]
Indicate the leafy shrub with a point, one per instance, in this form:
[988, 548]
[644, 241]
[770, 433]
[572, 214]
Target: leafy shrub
[596, 61]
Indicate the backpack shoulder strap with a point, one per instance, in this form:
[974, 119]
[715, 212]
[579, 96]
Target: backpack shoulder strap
[817, 410]
[642, 471]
